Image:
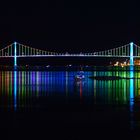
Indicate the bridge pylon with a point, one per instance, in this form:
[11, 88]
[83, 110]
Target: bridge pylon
[15, 55]
[131, 54]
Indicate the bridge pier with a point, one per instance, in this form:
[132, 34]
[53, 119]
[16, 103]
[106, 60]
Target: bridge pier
[15, 55]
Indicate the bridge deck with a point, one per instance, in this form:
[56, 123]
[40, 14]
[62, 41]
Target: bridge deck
[69, 56]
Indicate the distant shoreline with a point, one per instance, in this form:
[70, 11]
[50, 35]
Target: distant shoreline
[68, 68]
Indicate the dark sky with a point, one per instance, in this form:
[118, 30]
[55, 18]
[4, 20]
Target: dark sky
[72, 26]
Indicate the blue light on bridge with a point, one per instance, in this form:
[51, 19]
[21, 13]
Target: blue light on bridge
[15, 54]
[131, 54]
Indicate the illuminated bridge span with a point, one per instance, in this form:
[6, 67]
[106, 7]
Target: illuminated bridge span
[16, 50]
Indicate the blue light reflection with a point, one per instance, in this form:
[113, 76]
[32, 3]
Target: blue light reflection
[131, 99]
[15, 90]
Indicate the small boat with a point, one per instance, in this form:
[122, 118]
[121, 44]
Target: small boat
[80, 76]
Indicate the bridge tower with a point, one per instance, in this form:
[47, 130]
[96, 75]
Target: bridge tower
[131, 54]
[131, 58]
[15, 55]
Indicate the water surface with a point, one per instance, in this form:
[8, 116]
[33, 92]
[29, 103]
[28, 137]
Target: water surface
[52, 99]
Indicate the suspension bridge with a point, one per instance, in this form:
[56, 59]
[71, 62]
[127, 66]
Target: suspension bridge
[16, 50]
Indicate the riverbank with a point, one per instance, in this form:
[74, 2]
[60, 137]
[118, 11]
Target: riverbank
[68, 68]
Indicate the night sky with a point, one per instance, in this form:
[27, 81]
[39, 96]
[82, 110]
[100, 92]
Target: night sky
[72, 26]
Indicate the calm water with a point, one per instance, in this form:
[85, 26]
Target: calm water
[56, 102]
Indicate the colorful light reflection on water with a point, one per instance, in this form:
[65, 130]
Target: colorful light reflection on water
[19, 88]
